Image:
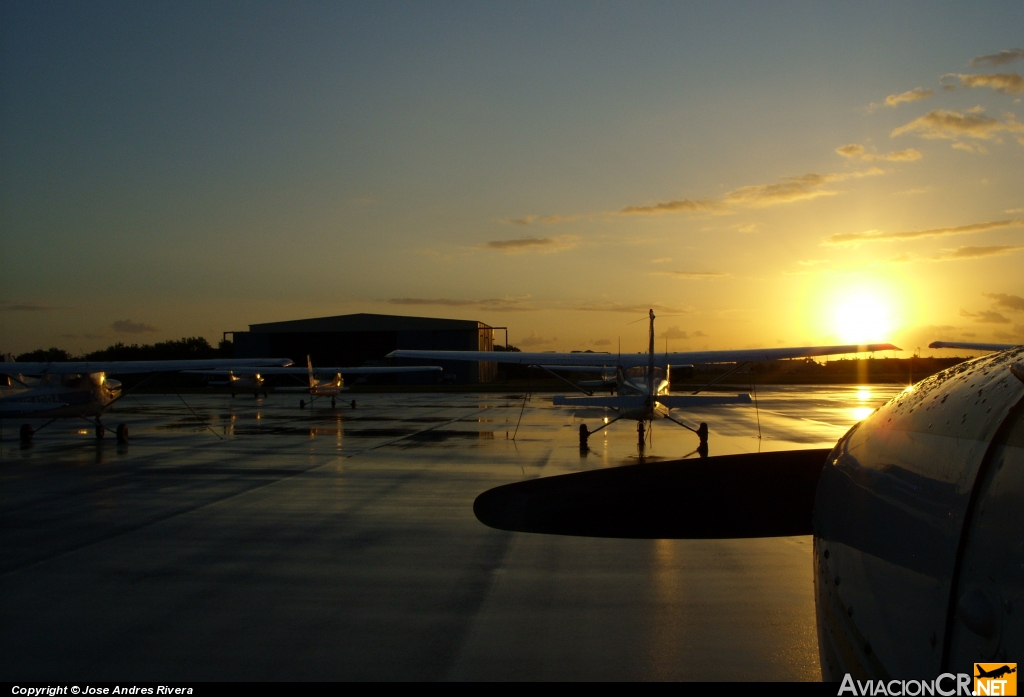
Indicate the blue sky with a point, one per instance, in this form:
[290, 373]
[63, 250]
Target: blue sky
[193, 168]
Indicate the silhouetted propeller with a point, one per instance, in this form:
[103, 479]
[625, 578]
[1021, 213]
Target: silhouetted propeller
[749, 495]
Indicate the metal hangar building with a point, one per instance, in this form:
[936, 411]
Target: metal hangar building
[365, 339]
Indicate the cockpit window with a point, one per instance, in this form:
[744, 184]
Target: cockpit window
[640, 371]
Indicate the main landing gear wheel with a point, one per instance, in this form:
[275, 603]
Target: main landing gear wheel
[353, 404]
[122, 433]
[100, 431]
[640, 433]
[702, 433]
[302, 404]
[584, 435]
[26, 433]
[333, 403]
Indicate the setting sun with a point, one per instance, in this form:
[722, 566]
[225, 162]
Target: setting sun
[862, 316]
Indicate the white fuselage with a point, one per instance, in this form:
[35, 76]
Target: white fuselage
[637, 381]
[55, 396]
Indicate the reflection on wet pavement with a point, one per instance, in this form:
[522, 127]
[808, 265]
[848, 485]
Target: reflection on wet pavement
[254, 540]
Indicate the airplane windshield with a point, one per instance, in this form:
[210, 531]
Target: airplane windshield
[640, 371]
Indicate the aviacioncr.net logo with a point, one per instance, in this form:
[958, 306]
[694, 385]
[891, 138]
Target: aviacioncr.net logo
[946, 685]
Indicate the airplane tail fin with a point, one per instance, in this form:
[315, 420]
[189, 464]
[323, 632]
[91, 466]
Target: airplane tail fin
[309, 367]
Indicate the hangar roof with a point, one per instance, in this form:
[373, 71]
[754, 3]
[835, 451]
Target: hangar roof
[366, 322]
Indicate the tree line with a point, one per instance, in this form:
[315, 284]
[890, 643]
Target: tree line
[193, 347]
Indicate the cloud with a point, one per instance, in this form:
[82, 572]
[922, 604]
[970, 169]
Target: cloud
[952, 125]
[880, 236]
[533, 244]
[525, 220]
[976, 252]
[859, 152]
[601, 342]
[1007, 83]
[1014, 210]
[985, 316]
[894, 100]
[548, 219]
[750, 227]
[676, 206]
[534, 340]
[1016, 335]
[911, 192]
[970, 147]
[628, 309]
[489, 304]
[673, 332]
[690, 274]
[8, 306]
[662, 260]
[791, 189]
[1014, 303]
[1007, 55]
[127, 326]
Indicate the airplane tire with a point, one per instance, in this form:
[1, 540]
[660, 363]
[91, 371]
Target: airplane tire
[100, 431]
[26, 433]
[122, 433]
[353, 404]
[302, 404]
[333, 403]
[702, 432]
[584, 435]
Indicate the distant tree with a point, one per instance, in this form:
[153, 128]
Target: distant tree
[195, 347]
[510, 347]
[45, 356]
[226, 348]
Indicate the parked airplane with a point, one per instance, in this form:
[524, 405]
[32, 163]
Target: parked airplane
[331, 387]
[642, 380]
[82, 388]
[916, 516]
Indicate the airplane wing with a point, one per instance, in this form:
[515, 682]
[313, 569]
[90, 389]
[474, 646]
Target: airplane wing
[365, 370]
[970, 346]
[629, 360]
[26, 407]
[684, 401]
[631, 401]
[134, 367]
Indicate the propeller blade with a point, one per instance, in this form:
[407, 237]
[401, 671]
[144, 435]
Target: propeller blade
[729, 496]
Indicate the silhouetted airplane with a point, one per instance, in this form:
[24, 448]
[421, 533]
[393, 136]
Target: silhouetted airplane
[996, 673]
[82, 389]
[916, 514]
[315, 387]
[642, 380]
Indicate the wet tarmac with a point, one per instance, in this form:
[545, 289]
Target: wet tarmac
[244, 539]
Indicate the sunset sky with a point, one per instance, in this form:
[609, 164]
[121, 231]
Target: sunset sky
[759, 174]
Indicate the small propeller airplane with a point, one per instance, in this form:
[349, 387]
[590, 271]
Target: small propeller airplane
[316, 387]
[81, 389]
[642, 380]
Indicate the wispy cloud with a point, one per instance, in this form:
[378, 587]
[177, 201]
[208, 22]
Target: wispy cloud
[533, 339]
[791, 189]
[894, 100]
[690, 274]
[489, 304]
[975, 252]
[859, 152]
[684, 205]
[9, 306]
[546, 220]
[674, 332]
[1007, 83]
[532, 244]
[601, 342]
[127, 326]
[953, 125]
[1007, 55]
[880, 236]
[1014, 303]
[985, 316]
[634, 309]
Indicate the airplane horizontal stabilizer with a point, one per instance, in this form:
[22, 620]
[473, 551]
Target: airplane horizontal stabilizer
[702, 400]
[364, 370]
[616, 402]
